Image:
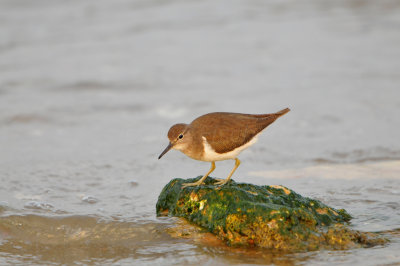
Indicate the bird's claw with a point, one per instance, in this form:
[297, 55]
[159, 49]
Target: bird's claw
[221, 182]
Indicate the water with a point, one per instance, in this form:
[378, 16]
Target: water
[88, 91]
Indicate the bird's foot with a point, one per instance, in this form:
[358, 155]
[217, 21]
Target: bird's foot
[221, 182]
[195, 184]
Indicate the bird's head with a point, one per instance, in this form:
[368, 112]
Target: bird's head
[177, 136]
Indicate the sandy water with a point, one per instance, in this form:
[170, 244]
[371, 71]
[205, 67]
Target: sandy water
[89, 89]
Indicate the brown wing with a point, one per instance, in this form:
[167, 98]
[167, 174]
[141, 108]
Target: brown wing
[227, 131]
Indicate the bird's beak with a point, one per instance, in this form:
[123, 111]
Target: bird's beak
[165, 151]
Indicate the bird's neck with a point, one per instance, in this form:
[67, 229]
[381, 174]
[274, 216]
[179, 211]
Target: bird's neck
[195, 149]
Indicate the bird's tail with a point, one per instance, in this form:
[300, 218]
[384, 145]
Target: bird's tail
[282, 112]
[268, 119]
[272, 116]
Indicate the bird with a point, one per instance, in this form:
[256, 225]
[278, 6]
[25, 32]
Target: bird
[218, 136]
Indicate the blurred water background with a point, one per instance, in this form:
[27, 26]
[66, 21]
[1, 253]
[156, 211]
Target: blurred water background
[89, 89]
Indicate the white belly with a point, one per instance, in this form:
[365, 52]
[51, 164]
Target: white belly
[211, 156]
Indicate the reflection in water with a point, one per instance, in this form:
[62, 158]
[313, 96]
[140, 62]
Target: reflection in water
[88, 239]
[76, 238]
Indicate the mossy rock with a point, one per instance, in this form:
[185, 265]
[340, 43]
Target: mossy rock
[264, 216]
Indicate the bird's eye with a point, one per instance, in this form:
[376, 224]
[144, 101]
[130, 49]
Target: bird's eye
[180, 136]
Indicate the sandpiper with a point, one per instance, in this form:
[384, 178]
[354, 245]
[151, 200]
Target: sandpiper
[218, 136]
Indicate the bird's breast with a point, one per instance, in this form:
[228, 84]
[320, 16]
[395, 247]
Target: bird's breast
[210, 155]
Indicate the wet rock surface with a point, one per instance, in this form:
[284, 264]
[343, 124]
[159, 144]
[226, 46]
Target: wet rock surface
[263, 216]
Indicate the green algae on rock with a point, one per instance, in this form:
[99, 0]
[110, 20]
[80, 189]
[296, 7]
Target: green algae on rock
[264, 216]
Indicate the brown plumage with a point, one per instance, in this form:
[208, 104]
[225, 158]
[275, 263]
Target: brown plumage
[218, 136]
[227, 131]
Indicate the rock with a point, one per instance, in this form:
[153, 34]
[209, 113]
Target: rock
[264, 216]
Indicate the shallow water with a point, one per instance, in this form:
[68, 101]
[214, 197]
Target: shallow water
[89, 89]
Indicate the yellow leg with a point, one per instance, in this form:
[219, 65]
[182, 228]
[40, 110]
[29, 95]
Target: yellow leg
[198, 183]
[222, 182]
